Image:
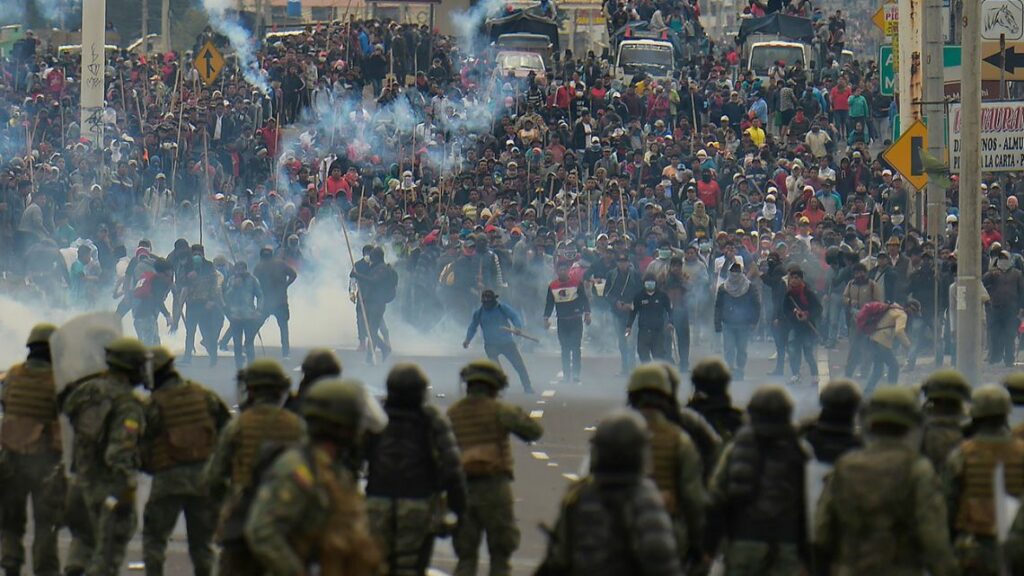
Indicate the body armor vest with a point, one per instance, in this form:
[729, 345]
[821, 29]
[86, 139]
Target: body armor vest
[665, 444]
[976, 511]
[260, 425]
[30, 424]
[600, 531]
[189, 432]
[874, 496]
[483, 441]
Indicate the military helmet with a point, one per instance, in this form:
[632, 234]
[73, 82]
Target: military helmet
[840, 395]
[40, 334]
[893, 405]
[618, 446]
[649, 377]
[407, 380]
[990, 400]
[484, 371]
[126, 353]
[675, 379]
[1014, 383]
[336, 402]
[266, 373]
[711, 376]
[946, 384]
[161, 356]
[321, 362]
[770, 410]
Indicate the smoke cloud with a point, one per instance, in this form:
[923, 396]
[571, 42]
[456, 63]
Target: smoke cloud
[228, 25]
[468, 23]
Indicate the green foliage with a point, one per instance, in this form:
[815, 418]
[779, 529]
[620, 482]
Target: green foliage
[937, 170]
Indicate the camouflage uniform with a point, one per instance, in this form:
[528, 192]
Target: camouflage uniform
[31, 441]
[833, 433]
[882, 511]
[182, 422]
[482, 424]
[968, 480]
[710, 379]
[946, 392]
[1014, 383]
[612, 522]
[704, 436]
[676, 465]
[410, 465]
[108, 421]
[758, 488]
[308, 516]
[261, 424]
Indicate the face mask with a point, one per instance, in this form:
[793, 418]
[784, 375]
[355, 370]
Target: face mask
[1003, 264]
[197, 260]
[770, 210]
[650, 285]
[664, 254]
[898, 219]
[366, 259]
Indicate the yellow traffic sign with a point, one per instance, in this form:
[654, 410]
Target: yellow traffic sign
[905, 155]
[209, 63]
[887, 18]
[1011, 60]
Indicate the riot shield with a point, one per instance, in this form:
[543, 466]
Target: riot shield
[77, 346]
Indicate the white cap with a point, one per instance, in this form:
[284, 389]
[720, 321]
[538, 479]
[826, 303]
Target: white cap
[952, 219]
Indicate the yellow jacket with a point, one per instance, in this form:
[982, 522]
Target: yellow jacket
[892, 326]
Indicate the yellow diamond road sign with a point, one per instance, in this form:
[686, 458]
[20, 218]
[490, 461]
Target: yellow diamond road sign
[209, 63]
[905, 155]
[887, 18]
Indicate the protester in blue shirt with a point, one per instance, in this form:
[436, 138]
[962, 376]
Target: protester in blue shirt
[499, 322]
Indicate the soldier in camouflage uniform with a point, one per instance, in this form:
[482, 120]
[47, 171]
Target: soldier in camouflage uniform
[613, 522]
[482, 424]
[946, 392]
[229, 472]
[676, 469]
[318, 363]
[710, 378]
[183, 419]
[108, 421]
[411, 464]
[31, 441]
[758, 491]
[833, 433]
[707, 441]
[882, 511]
[308, 516]
[968, 480]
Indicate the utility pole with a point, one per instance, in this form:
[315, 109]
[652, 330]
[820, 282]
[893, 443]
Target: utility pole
[94, 64]
[932, 60]
[910, 80]
[145, 26]
[968, 276]
[165, 25]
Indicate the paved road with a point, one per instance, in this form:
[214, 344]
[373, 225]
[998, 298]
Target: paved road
[568, 413]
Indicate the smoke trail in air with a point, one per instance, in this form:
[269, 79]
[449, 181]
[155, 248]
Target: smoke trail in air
[245, 49]
[468, 23]
[12, 11]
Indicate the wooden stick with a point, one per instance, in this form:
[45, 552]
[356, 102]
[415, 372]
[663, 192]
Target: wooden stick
[206, 174]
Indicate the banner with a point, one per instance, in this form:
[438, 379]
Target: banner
[1002, 136]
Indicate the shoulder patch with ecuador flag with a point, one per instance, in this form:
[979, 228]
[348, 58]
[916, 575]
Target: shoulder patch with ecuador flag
[303, 476]
[131, 425]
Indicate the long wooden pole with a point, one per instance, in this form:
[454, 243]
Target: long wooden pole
[359, 299]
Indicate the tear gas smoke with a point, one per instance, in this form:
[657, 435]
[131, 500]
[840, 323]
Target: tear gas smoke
[245, 51]
[468, 23]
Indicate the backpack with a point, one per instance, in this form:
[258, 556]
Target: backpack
[389, 287]
[402, 462]
[869, 316]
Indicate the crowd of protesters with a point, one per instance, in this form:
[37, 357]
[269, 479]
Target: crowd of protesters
[759, 207]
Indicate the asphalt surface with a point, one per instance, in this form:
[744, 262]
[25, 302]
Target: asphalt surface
[568, 413]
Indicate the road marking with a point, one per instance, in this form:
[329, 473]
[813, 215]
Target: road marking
[548, 394]
[541, 402]
[570, 477]
[590, 428]
[537, 414]
[540, 455]
[552, 464]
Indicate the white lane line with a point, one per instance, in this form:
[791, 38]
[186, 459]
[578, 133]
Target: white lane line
[824, 375]
[570, 477]
[537, 414]
[540, 455]
[548, 394]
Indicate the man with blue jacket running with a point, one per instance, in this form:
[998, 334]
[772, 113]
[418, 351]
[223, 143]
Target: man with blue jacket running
[499, 322]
